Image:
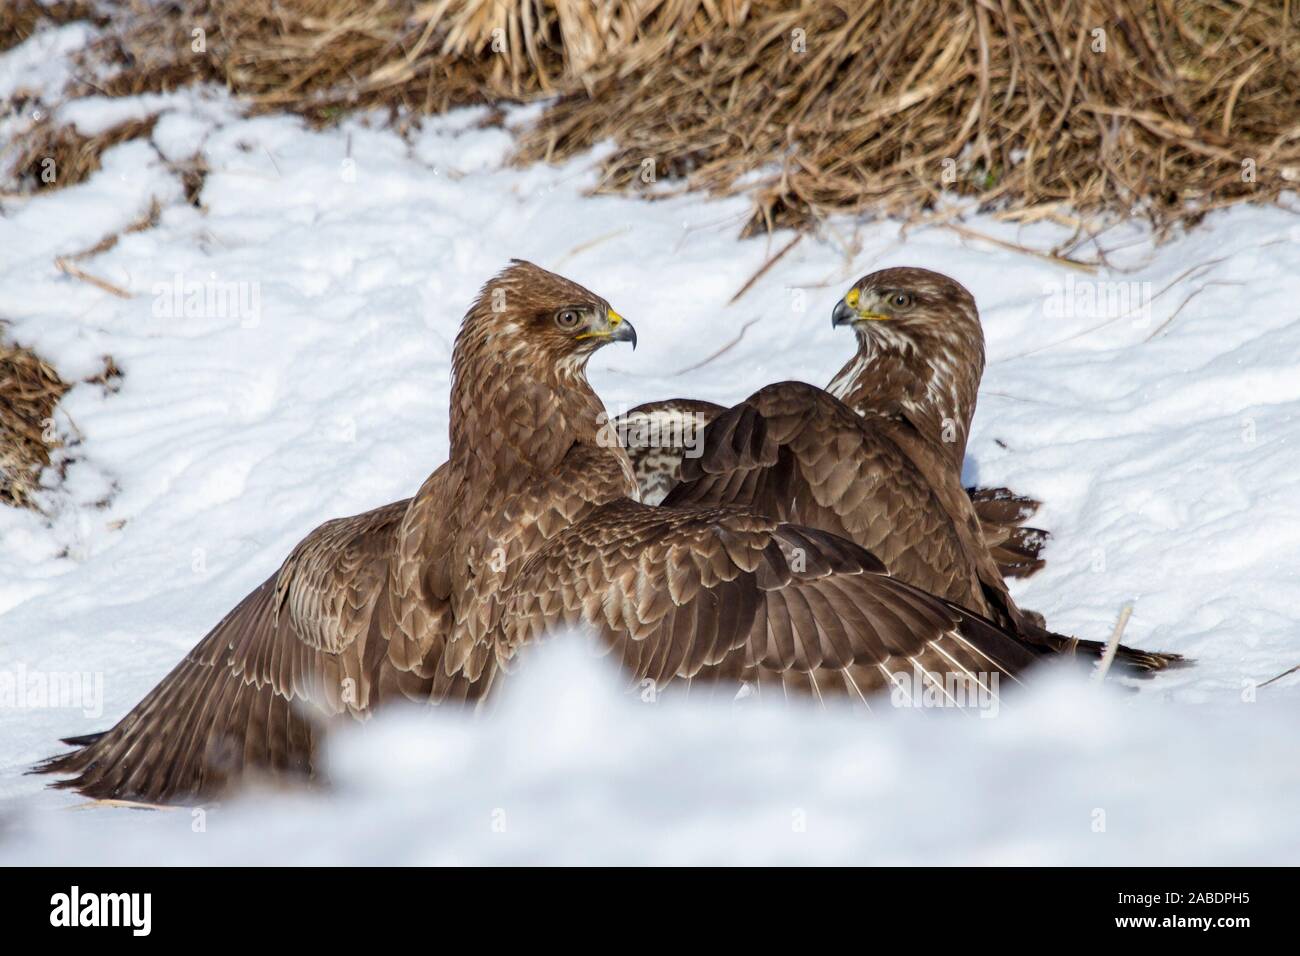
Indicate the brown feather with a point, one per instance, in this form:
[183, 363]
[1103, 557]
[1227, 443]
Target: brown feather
[529, 528]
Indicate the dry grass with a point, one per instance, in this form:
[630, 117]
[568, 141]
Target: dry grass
[68, 264]
[811, 108]
[53, 156]
[29, 391]
[19, 18]
[894, 104]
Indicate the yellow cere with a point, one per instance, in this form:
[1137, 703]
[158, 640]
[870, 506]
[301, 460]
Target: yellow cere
[614, 321]
[852, 298]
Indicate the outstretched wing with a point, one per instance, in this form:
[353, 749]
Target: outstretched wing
[332, 633]
[657, 436]
[795, 452]
[726, 596]
[247, 698]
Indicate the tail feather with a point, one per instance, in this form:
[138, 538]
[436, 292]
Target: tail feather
[75, 762]
[1131, 661]
[1013, 546]
[1002, 505]
[1016, 555]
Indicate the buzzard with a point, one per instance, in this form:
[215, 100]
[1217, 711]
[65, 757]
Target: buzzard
[531, 525]
[877, 471]
[920, 358]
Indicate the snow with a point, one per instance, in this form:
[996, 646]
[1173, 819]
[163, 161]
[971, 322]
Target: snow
[335, 266]
[43, 63]
[571, 771]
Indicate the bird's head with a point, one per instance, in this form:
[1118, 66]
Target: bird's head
[519, 370]
[920, 351]
[909, 308]
[529, 312]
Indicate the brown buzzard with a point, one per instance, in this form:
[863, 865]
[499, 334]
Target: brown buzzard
[528, 527]
[920, 358]
[880, 472]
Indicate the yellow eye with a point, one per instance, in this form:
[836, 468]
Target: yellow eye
[567, 319]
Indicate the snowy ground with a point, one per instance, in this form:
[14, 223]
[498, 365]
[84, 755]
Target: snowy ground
[1160, 430]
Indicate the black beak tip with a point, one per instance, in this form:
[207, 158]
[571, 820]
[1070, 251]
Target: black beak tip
[625, 332]
[842, 314]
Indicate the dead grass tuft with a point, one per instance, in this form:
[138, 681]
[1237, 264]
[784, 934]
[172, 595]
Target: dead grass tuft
[54, 156]
[1170, 107]
[29, 391]
[895, 104]
[20, 18]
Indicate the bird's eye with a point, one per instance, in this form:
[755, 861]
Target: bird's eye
[567, 319]
[901, 300]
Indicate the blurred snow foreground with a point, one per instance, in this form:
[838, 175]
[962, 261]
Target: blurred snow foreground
[571, 769]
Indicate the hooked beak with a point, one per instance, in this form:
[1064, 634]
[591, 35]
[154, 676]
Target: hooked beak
[843, 314]
[846, 313]
[621, 330]
[614, 328]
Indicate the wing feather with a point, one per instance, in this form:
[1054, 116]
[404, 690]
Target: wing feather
[305, 647]
[806, 458]
[816, 625]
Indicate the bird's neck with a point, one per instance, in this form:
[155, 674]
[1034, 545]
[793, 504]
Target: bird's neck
[515, 413]
[935, 391]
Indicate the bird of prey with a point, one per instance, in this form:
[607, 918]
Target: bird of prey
[919, 359]
[879, 471]
[529, 527]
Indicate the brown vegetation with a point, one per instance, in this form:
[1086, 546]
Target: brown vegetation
[1169, 107]
[29, 391]
[18, 18]
[894, 104]
[53, 156]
